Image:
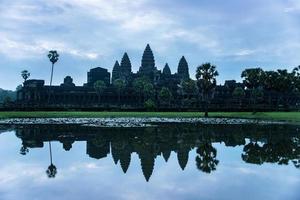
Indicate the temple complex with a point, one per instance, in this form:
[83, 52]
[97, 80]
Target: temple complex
[127, 90]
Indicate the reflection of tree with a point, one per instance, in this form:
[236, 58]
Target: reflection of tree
[24, 150]
[51, 171]
[253, 153]
[271, 144]
[206, 159]
[273, 151]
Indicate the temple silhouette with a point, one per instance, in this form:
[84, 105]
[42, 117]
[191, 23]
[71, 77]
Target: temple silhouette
[261, 144]
[124, 89]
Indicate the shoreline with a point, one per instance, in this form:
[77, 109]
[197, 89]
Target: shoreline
[133, 121]
[271, 116]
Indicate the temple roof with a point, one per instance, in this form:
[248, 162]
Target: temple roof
[166, 70]
[183, 69]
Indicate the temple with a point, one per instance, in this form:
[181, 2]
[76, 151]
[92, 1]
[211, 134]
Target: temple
[124, 89]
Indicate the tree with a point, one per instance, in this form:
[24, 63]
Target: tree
[253, 77]
[150, 105]
[186, 89]
[206, 80]
[254, 80]
[256, 94]
[25, 75]
[100, 87]
[165, 96]
[144, 88]
[52, 170]
[206, 159]
[138, 85]
[53, 57]
[238, 93]
[148, 91]
[119, 84]
[188, 86]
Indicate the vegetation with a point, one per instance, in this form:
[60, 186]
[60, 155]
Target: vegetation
[53, 57]
[165, 96]
[25, 75]
[286, 116]
[206, 80]
[119, 84]
[100, 87]
[239, 93]
[7, 95]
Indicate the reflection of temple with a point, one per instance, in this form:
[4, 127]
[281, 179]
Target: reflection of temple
[276, 144]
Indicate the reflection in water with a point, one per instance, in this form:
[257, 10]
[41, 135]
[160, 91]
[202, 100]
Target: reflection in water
[261, 144]
[51, 171]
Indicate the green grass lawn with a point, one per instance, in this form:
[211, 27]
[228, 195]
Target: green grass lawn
[286, 116]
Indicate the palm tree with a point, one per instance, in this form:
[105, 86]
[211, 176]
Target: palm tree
[99, 86]
[206, 159]
[53, 57]
[25, 75]
[51, 171]
[206, 80]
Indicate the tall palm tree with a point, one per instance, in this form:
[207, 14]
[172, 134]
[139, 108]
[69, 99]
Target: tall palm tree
[53, 57]
[206, 80]
[25, 75]
[51, 171]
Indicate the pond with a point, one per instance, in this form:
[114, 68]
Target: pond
[167, 161]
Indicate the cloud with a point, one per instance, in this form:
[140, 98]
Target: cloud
[97, 32]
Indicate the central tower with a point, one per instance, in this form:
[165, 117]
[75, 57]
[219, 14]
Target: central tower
[148, 63]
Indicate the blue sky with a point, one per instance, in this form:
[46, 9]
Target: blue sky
[231, 34]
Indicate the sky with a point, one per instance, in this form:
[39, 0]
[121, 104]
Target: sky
[231, 34]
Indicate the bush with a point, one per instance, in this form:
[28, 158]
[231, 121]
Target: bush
[150, 105]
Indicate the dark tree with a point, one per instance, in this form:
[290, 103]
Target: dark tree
[119, 84]
[100, 87]
[254, 80]
[51, 171]
[206, 80]
[165, 96]
[239, 93]
[25, 75]
[206, 159]
[53, 57]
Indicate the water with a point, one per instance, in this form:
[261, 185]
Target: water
[175, 161]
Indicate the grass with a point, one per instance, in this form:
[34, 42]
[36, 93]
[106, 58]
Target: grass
[285, 116]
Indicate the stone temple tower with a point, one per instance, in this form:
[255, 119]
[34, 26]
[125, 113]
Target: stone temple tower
[115, 72]
[148, 63]
[183, 69]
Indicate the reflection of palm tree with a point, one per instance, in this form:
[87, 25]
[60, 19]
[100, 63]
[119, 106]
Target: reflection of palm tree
[206, 159]
[24, 150]
[51, 171]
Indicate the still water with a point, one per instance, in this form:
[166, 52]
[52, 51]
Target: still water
[169, 161]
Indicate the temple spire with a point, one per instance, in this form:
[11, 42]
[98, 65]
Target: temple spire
[125, 63]
[183, 69]
[148, 62]
[116, 72]
[166, 70]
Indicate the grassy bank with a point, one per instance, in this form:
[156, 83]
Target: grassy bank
[286, 116]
